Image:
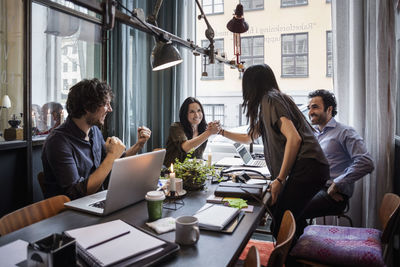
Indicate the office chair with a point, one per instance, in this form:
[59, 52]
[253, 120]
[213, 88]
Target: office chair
[32, 213]
[274, 255]
[323, 245]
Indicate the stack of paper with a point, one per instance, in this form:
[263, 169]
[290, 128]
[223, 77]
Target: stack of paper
[215, 217]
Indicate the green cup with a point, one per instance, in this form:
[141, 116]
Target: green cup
[154, 204]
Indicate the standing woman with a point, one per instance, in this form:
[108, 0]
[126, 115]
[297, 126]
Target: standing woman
[296, 161]
[192, 132]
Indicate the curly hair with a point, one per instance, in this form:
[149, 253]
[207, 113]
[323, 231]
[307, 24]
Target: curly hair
[87, 96]
[328, 98]
[183, 113]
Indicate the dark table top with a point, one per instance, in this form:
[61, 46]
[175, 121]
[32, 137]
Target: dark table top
[212, 249]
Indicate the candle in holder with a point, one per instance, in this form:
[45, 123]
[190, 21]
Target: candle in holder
[172, 179]
[48, 119]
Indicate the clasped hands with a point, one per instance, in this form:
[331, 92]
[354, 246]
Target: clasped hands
[214, 127]
[116, 148]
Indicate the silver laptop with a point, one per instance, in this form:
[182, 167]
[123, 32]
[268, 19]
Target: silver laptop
[245, 158]
[131, 178]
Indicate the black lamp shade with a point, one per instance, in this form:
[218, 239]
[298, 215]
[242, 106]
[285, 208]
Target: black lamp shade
[164, 55]
[237, 23]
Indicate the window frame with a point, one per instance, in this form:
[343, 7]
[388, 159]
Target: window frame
[213, 7]
[253, 9]
[213, 66]
[294, 56]
[293, 5]
[243, 57]
[329, 53]
[213, 106]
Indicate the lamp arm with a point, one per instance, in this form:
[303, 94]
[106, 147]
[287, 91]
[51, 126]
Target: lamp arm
[209, 33]
[152, 19]
[134, 22]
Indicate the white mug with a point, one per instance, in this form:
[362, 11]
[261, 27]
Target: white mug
[187, 230]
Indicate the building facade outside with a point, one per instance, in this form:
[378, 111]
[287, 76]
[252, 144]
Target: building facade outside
[292, 36]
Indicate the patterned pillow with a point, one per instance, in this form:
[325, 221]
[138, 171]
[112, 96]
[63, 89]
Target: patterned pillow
[336, 245]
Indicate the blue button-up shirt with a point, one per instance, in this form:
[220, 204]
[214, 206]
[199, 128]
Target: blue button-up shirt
[68, 159]
[347, 155]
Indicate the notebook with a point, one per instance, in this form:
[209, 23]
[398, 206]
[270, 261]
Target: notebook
[131, 178]
[215, 217]
[115, 242]
[245, 158]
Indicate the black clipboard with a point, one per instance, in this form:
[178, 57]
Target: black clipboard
[143, 259]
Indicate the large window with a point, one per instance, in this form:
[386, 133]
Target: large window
[66, 49]
[329, 57]
[214, 112]
[11, 63]
[213, 6]
[252, 4]
[288, 3]
[252, 50]
[214, 71]
[294, 45]
[295, 55]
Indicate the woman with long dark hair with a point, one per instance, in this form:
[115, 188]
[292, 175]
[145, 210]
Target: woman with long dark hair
[294, 157]
[191, 132]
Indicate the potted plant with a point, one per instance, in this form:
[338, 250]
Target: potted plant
[193, 172]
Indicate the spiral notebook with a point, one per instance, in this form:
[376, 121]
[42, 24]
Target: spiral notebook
[117, 242]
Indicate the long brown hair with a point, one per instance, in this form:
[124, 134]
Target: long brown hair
[257, 81]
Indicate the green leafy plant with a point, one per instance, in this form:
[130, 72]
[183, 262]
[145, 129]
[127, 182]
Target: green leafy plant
[193, 172]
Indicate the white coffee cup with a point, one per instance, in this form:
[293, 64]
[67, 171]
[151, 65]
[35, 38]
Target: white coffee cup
[187, 230]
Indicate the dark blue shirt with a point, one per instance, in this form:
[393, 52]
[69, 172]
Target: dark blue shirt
[68, 159]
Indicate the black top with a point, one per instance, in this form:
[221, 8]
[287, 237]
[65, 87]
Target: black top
[275, 105]
[68, 159]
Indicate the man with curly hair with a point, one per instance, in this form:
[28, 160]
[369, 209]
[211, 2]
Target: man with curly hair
[76, 159]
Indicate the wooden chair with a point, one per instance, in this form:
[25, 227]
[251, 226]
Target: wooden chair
[322, 245]
[253, 258]
[40, 178]
[32, 214]
[278, 253]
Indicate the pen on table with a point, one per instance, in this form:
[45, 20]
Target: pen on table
[107, 240]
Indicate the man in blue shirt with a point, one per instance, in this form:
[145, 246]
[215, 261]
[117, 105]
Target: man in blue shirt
[76, 159]
[345, 150]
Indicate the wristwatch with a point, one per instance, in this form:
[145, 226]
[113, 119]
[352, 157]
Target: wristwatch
[279, 180]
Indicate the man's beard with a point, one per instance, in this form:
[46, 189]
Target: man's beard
[94, 122]
[318, 119]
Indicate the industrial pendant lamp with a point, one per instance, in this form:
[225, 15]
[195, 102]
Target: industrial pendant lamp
[164, 55]
[237, 25]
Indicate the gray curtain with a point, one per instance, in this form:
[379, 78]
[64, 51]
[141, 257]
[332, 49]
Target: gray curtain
[143, 97]
[364, 83]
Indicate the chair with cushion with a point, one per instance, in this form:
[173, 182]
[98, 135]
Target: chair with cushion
[32, 214]
[271, 255]
[324, 245]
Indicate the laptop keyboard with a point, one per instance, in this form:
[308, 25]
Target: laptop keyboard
[99, 204]
[259, 163]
